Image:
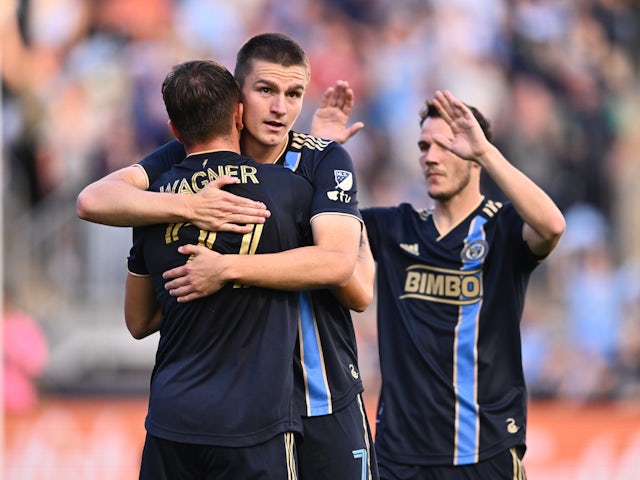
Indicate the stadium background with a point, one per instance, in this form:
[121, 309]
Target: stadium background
[81, 97]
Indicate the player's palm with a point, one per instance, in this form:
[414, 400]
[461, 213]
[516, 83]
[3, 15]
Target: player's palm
[331, 117]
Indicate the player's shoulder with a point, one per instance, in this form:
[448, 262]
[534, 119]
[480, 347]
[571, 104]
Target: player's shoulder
[309, 144]
[493, 210]
[396, 211]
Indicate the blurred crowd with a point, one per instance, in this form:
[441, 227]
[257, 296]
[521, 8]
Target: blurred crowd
[558, 78]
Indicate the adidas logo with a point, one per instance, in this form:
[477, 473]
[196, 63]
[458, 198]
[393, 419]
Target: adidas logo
[412, 248]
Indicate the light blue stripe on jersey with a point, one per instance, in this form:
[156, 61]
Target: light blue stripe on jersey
[466, 367]
[317, 388]
[291, 160]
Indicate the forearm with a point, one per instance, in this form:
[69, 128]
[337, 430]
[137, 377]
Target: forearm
[358, 293]
[121, 199]
[120, 204]
[302, 268]
[535, 207]
[144, 329]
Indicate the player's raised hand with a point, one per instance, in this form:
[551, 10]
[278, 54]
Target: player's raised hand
[469, 141]
[216, 210]
[331, 117]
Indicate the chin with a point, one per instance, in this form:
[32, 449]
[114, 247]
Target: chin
[439, 195]
[274, 140]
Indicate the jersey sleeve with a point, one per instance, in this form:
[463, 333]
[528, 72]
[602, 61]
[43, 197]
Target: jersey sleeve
[162, 159]
[135, 262]
[514, 224]
[334, 184]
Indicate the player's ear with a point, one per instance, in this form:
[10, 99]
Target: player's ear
[237, 116]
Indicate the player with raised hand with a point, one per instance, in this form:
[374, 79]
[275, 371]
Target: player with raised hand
[451, 285]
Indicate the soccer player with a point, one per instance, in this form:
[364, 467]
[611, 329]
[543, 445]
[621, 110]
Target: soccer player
[451, 287]
[273, 72]
[221, 396]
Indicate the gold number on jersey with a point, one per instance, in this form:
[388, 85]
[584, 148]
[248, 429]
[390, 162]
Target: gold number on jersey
[249, 245]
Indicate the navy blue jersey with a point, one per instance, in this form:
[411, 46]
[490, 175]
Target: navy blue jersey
[449, 309]
[223, 371]
[326, 361]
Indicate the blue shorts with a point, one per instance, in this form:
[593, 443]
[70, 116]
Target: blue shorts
[272, 460]
[504, 466]
[338, 446]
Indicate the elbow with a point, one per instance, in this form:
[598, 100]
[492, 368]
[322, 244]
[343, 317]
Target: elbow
[546, 238]
[83, 206]
[340, 280]
[358, 295]
[556, 228]
[137, 330]
[136, 333]
[362, 303]
[560, 225]
[356, 299]
[139, 334]
[346, 270]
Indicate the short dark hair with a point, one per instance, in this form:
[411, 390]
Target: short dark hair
[430, 111]
[200, 97]
[269, 47]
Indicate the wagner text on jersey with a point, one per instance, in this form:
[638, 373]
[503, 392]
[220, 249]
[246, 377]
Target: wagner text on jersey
[244, 174]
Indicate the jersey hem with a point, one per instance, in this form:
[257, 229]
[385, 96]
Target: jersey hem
[446, 460]
[344, 401]
[235, 440]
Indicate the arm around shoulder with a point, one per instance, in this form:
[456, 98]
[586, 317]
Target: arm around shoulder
[329, 263]
[118, 199]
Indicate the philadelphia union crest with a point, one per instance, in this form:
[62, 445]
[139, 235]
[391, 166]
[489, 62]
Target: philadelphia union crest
[475, 252]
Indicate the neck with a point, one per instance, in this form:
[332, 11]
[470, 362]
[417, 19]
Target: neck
[447, 214]
[217, 144]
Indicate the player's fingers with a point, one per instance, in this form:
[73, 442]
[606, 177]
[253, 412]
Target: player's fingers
[326, 97]
[348, 101]
[174, 282]
[456, 107]
[173, 273]
[345, 99]
[188, 249]
[452, 103]
[247, 214]
[232, 227]
[443, 106]
[180, 292]
[224, 180]
[353, 129]
[189, 297]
